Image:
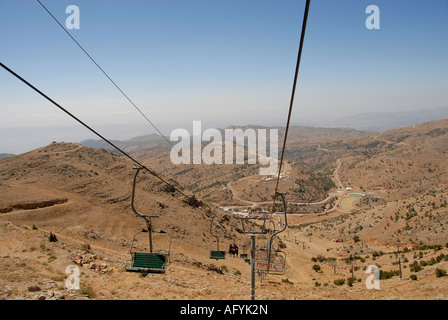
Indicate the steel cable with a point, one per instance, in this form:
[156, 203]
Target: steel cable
[88, 127]
[299, 56]
[113, 82]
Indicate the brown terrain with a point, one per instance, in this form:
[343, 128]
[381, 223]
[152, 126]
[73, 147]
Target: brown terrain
[355, 200]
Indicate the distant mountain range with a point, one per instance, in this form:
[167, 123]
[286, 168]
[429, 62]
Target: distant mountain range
[146, 142]
[22, 139]
[353, 125]
[6, 155]
[297, 134]
[381, 121]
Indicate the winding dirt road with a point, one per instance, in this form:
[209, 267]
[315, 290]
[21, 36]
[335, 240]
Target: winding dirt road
[253, 204]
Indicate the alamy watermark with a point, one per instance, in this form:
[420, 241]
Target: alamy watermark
[373, 281]
[373, 20]
[72, 281]
[189, 148]
[73, 20]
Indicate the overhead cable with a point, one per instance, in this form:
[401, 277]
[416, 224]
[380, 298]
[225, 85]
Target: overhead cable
[113, 82]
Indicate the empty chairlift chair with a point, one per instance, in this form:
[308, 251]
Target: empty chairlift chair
[216, 254]
[146, 262]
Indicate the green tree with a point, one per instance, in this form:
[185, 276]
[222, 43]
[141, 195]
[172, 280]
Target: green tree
[316, 267]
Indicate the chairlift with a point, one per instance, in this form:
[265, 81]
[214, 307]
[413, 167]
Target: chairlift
[146, 262]
[270, 261]
[276, 261]
[216, 254]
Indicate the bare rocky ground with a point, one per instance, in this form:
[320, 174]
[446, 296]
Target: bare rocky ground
[34, 268]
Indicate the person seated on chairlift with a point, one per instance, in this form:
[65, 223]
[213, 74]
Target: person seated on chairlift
[231, 250]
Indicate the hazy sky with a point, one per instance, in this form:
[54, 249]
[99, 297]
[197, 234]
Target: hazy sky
[222, 62]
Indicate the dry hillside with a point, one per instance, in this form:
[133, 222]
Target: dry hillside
[82, 195]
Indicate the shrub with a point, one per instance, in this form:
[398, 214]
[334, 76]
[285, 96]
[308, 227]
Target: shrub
[318, 259]
[440, 273]
[436, 247]
[415, 267]
[351, 281]
[87, 291]
[339, 282]
[316, 267]
[52, 237]
[384, 275]
[191, 201]
[413, 277]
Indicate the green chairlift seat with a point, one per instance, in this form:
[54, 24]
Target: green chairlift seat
[217, 254]
[146, 262]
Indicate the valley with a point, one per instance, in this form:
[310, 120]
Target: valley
[354, 200]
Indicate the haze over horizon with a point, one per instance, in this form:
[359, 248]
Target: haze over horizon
[225, 64]
[23, 139]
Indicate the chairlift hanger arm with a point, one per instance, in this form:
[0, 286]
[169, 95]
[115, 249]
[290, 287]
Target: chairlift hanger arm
[146, 217]
[282, 196]
[211, 231]
[133, 193]
[284, 212]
